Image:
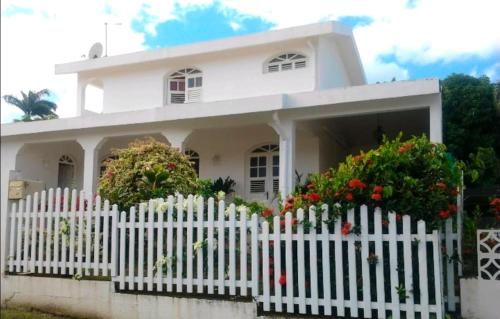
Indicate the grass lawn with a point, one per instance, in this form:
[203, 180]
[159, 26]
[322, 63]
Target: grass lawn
[19, 314]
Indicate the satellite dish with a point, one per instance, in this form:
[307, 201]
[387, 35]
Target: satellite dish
[95, 51]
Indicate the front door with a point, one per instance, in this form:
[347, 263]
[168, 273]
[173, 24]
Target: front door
[263, 173]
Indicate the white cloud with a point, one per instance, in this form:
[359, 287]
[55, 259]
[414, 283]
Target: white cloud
[59, 31]
[493, 72]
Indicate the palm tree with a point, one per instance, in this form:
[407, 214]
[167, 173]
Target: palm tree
[33, 105]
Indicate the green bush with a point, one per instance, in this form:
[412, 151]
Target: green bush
[146, 169]
[413, 177]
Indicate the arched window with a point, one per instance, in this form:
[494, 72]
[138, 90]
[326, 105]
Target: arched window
[194, 158]
[263, 172]
[66, 172]
[184, 86]
[284, 62]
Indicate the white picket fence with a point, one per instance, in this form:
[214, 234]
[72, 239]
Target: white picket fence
[59, 236]
[202, 247]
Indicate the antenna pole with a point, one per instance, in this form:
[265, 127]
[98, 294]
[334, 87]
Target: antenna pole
[105, 39]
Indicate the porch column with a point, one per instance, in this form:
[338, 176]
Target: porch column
[90, 145]
[9, 154]
[177, 137]
[436, 120]
[286, 132]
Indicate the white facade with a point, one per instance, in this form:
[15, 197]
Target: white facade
[315, 111]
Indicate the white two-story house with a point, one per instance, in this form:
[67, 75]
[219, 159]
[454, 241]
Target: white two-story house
[256, 108]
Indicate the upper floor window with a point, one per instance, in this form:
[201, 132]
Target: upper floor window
[287, 61]
[184, 86]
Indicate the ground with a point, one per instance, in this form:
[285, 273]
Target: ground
[20, 314]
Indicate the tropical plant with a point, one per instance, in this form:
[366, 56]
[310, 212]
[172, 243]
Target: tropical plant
[144, 170]
[34, 106]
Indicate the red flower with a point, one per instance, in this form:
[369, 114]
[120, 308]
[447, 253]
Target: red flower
[282, 223]
[337, 194]
[171, 166]
[282, 279]
[346, 229]
[314, 197]
[441, 185]
[452, 208]
[378, 189]
[376, 197]
[356, 183]
[268, 212]
[444, 214]
[290, 200]
[294, 221]
[349, 197]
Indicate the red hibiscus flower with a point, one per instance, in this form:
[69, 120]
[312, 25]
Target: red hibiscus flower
[378, 189]
[444, 214]
[376, 197]
[346, 229]
[268, 212]
[356, 183]
[314, 197]
[282, 279]
[288, 206]
[171, 166]
[349, 196]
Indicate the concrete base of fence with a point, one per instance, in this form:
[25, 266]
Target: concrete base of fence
[479, 299]
[97, 299]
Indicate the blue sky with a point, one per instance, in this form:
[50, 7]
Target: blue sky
[396, 38]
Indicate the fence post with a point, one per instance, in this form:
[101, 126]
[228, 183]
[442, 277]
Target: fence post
[114, 241]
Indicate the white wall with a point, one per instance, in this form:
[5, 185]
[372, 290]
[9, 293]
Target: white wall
[226, 75]
[233, 145]
[41, 162]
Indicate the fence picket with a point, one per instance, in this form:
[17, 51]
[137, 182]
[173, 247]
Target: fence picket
[88, 236]
[80, 233]
[450, 266]
[220, 241]
[393, 264]
[199, 237]
[438, 272]
[289, 262]
[159, 249]
[34, 224]
[170, 239]
[41, 233]
[255, 255]
[57, 217]
[72, 230]
[407, 253]
[64, 237]
[140, 250]
[131, 249]
[339, 271]
[189, 245]
[151, 219]
[97, 235]
[243, 252]
[12, 236]
[178, 256]
[365, 266]
[105, 239]
[301, 274]
[351, 260]
[379, 267]
[266, 300]
[26, 233]
[210, 246]
[48, 246]
[123, 225]
[114, 241]
[313, 259]
[422, 270]
[277, 263]
[232, 250]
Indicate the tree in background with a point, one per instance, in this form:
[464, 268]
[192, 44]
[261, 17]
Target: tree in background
[34, 106]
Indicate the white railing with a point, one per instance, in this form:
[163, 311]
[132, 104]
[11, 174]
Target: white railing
[58, 235]
[388, 267]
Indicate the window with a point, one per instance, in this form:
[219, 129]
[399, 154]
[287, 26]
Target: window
[284, 62]
[194, 158]
[263, 172]
[66, 172]
[179, 92]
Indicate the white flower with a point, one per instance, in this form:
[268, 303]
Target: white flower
[221, 195]
[162, 208]
[337, 205]
[240, 208]
[226, 212]
[198, 245]
[161, 262]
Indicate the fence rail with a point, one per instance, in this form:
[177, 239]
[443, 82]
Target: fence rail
[385, 266]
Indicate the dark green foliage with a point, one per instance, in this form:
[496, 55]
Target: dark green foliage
[33, 105]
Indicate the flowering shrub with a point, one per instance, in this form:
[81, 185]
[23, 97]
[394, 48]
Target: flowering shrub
[146, 169]
[413, 177]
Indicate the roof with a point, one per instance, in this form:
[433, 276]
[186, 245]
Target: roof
[343, 33]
